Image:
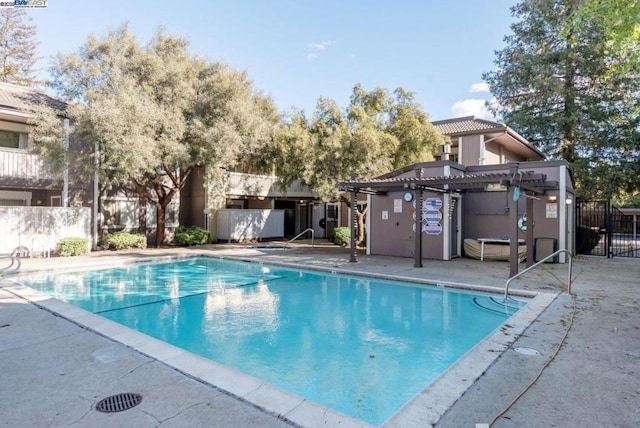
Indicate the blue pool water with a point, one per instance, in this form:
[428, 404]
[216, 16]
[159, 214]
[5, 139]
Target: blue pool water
[359, 345]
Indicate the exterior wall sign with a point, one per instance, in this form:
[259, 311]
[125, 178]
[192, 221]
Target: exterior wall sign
[432, 228]
[433, 203]
[397, 205]
[385, 215]
[552, 210]
[432, 216]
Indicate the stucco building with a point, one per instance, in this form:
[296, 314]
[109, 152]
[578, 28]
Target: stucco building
[504, 191]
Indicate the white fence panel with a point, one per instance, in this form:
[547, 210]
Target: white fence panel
[26, 226]
[249, 225]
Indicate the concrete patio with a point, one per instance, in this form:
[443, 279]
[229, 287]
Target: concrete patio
[55, 370]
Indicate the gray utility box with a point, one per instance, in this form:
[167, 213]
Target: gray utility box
[544, 247]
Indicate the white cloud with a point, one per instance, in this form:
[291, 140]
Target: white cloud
[479, 87]
[321, 45]
[311, 56]
[472, 107]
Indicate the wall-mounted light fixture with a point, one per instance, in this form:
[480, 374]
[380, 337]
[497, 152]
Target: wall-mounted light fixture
[569, 201]
[552, 198]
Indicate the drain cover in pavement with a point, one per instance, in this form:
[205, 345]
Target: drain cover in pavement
[527, 351]
[118, 402]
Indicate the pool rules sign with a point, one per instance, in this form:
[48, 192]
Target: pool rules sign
[432, 216]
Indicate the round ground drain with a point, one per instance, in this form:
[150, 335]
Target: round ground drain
[527, 351]
[118, 402]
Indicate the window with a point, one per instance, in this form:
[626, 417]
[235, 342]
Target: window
[171, 215]
[13, 140]
[455, 150]
[120, 212]
[10, 198]
[12, 202]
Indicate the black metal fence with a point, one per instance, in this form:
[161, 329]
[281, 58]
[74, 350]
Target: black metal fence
[619, 233]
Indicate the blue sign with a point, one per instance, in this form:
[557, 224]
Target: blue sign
[433, 203]
[432, 216]
[432, 228]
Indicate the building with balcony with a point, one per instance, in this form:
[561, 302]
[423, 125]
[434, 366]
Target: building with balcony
[206, 195]
[25, 179]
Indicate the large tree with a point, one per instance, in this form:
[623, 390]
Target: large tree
[561, 84]
[18, 44]
[157, 112]
[377, 132]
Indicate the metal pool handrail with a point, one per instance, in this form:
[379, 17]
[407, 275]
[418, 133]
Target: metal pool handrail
[14, 260]
[506, 287]
[299, 235]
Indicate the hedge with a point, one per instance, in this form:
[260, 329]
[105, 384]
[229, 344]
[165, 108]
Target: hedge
[193, 235]
[586, 240]
[123, 240]
[67, 247]
[341, 236]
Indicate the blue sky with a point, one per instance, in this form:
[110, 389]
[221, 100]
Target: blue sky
[297, 51]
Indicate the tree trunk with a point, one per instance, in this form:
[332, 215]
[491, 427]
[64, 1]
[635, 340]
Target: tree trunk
[163, 197]
[161, 213]
[362, 228]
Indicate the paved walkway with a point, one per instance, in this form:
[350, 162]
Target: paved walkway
[54, 370]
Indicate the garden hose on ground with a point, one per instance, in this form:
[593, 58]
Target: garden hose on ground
[544, 366]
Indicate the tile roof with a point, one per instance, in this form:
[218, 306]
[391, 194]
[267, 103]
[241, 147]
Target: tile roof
[466, 124]
[17, 97]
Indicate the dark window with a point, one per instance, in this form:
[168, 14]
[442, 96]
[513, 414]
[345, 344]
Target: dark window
[9, 139]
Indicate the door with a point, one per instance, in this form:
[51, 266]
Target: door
[455, 219]
[319, 220]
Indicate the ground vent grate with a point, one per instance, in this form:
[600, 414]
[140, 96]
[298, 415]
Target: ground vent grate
[118, 402]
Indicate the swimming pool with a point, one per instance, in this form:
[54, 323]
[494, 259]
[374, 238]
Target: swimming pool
[359, 345]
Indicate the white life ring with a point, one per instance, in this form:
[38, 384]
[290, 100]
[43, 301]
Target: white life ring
[522, 223]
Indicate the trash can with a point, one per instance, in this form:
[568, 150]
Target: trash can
[543, 247]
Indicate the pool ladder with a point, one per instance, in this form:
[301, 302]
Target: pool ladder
[12, 267]
[567, 252]
[299, 235]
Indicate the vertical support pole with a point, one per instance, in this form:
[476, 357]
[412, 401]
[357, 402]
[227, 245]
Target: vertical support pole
[354, 221]
[513, 223]
[417, 254]
[417, 196]
[513, 235]
[65, 172]
[529, 238]
[96, 196]
[608, 219]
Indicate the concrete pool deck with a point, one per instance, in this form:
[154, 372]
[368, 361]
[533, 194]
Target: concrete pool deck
[55, 370]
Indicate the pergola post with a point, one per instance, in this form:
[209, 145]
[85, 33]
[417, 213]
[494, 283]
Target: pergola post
[354, 221]
[417, 196]
[529, 239]
[513, 222]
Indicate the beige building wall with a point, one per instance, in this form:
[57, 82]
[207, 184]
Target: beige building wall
[469, 150]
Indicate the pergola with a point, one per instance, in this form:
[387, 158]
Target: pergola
[518, 183]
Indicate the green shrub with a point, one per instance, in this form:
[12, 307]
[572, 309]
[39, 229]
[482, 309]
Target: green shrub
[67, 247]
[193, 235]
[341, 236]
[123, 240]
[586, 240]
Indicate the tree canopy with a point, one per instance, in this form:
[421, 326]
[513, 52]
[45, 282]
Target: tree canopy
[562, 85]
[157, 112]
[377, 132]
[18, 44]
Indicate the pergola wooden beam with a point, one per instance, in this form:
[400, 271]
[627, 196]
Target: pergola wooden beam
[528, 181]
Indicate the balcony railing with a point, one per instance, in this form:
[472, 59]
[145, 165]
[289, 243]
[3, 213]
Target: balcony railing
[24, 165]
[242, 184]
